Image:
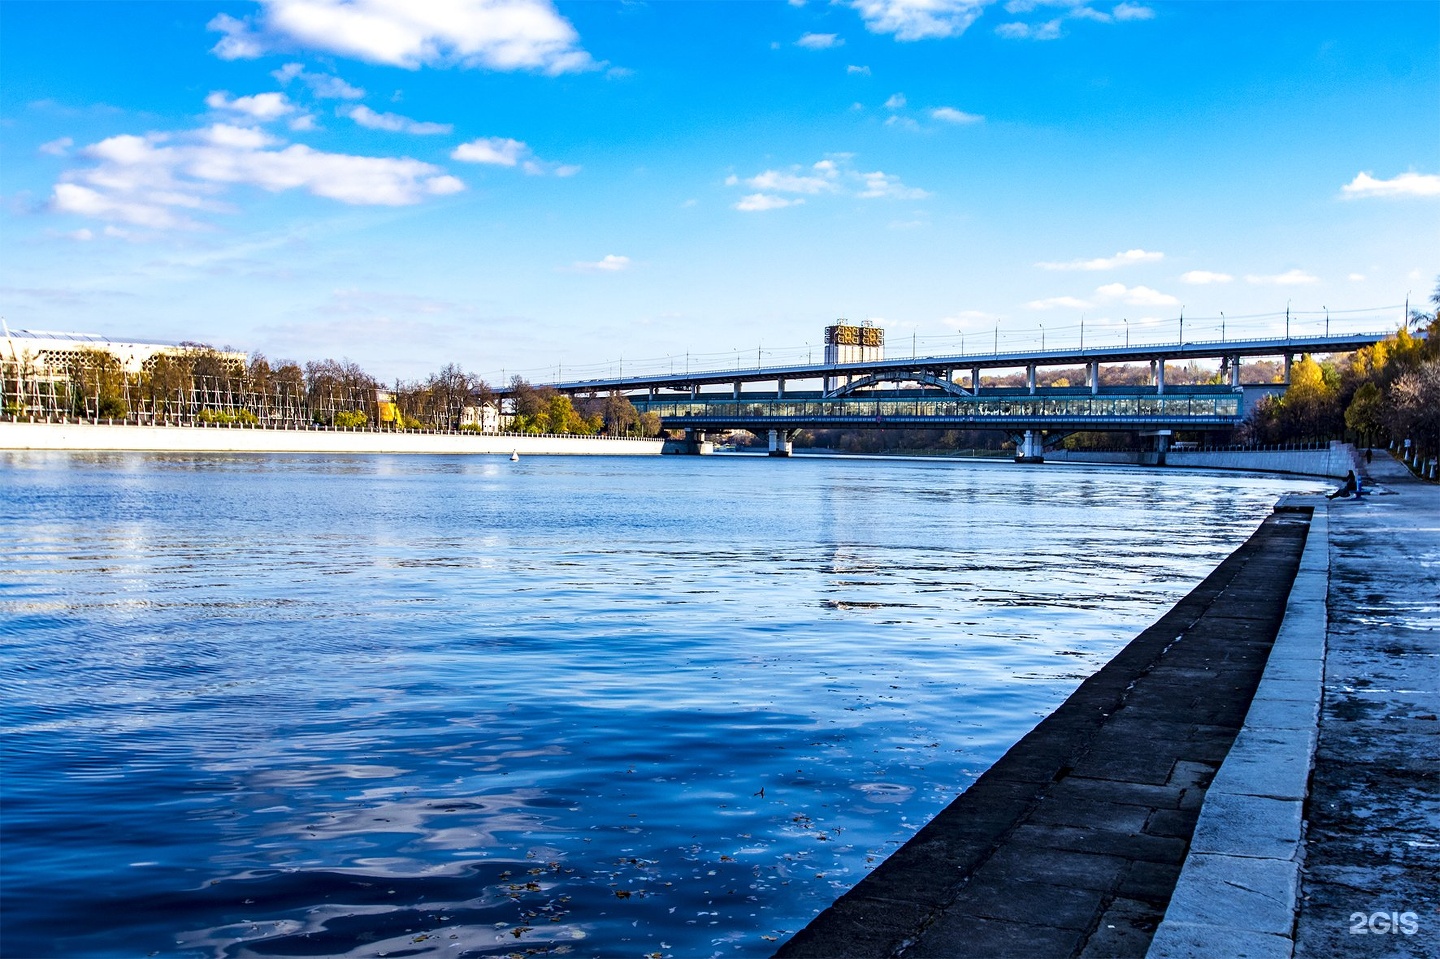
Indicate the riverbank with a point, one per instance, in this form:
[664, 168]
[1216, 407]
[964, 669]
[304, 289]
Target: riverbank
[1292, 819]
[105, 437]
[1075, 838]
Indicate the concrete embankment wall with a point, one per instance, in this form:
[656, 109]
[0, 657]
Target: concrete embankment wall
[1334, 462]
[226, 439]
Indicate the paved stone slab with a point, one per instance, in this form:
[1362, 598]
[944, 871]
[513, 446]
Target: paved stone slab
[1236, 892]
[1267, 762]
[1124, 930]
[956, 935]
[1254, 826]
[1271, 713]
[1179, 940]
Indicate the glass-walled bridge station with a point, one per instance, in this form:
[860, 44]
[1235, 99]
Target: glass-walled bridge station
[859, 389]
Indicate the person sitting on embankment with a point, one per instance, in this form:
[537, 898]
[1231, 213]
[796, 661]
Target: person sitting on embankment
[1351, 487]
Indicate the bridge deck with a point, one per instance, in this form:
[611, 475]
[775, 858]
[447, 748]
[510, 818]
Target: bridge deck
[1204, 410]
[1232, 349]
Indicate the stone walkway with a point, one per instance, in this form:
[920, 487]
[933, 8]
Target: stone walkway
[1072, 843]
[1373, 845]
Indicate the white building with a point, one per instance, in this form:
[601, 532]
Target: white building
[46, 353]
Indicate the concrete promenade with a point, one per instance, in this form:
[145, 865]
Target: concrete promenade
[1372, 846]
[1169, 808]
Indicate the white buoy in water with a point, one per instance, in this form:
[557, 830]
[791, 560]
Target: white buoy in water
[514, 456]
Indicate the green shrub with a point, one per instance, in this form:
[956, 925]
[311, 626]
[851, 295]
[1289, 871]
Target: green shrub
[351, 419]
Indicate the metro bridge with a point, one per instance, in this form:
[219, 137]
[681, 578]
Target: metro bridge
[945, 392]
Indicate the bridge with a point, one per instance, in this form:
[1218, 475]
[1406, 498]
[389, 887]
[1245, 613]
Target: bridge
[945, 392]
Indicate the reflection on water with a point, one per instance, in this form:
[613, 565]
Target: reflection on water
[306, 706]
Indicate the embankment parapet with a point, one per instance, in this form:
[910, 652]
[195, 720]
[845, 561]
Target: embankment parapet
[226, 439]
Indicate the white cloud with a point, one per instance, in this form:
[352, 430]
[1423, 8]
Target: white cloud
[159, 181]
[756, 202]
[919, 19]
[821, 179]
[394, 123]
[1356, 277]
[1125, 258]
[57, 148]
[952, 115]
[879, 184]
[1049, 30]
[834, 175]
[485, 34]
[240, 138]
[862, 71]
[238, 43]
[1132, 11]
[261, 106]
[610, 263]
[288, 72]
[322, 85]
[305, 121]
[1135, 295]
[819, 41]
[1288, 278]
[1202, 277]
[497, 150]
[896, 102]
[1406, 184]
[83, 235]
[502, 151]
[1054, 302]
[1083, 12]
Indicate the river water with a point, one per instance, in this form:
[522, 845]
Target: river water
[450, 706]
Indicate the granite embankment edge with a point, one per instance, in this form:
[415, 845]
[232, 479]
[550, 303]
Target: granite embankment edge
[100, 438]
[1239, 887]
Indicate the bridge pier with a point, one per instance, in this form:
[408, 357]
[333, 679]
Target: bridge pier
[1030, 448]
[695, 443]
[781, 442]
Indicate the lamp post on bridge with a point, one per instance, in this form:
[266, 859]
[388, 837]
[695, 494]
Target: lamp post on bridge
[1222, 326]
[1126, 321]
[1042, 337]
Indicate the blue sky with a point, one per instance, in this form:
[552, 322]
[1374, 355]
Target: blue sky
[527, 186]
